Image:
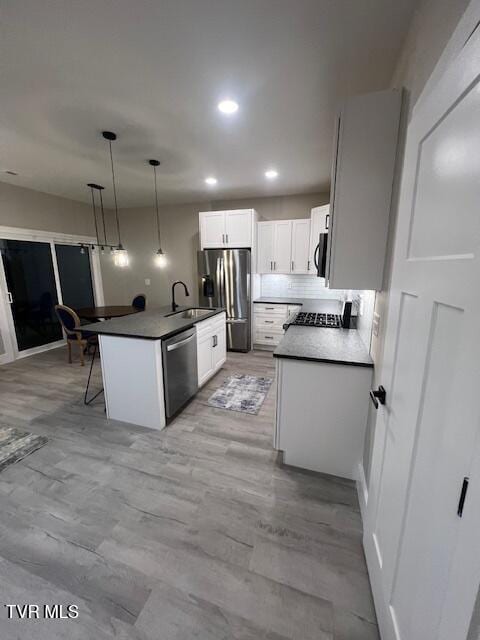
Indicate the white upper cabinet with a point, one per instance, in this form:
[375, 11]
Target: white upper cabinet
[300, 246]
[282, 243]
[283, 246]
[233, 229]
[265, 238]
[319, 223]
[239, 228]
[363, 172]
[212, 229]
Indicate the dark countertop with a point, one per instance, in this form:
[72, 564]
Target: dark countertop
[149, 325]
[317, 344]
[266, 300]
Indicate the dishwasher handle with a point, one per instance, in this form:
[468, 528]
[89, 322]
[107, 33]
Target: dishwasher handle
[177, 345]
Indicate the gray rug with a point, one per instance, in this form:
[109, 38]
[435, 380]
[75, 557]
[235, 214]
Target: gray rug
[241, 393]
[16, 444]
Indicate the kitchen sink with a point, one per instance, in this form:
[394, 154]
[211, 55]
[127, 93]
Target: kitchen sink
[191, 313]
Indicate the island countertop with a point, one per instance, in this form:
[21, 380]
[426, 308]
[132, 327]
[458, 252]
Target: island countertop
[155, 324]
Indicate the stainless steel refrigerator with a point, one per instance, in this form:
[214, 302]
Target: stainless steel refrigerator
[224, 281]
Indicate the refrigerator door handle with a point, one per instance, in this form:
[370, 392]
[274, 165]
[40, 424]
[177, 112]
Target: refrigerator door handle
[237, 320]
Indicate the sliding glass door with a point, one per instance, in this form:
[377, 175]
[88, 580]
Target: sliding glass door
[75, 276]
[32, 292]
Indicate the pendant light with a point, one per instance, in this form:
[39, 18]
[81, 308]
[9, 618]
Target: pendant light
[102, 245]
[120, 255]
[160, 258]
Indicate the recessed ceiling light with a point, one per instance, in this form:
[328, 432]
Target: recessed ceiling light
[228, 106]
[211, 181]
[271, 174]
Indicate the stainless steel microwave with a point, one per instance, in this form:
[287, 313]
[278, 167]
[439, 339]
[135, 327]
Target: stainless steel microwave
[320, 255]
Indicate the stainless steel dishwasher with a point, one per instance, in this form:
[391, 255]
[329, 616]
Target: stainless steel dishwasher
[180, 379]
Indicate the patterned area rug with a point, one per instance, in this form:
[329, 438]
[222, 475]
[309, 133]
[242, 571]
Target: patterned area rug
[16, 444]
[241, 393]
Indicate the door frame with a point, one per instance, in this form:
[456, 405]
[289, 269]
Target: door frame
[7, 326]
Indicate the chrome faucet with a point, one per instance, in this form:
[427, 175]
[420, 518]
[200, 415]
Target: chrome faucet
[174, 304]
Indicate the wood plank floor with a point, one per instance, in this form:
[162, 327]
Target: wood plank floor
[193, 532]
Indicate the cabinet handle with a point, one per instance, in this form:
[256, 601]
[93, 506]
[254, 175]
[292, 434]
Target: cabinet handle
[463, 495]
[215, 341]
[271, 265]
[9, 297]
[269, 321]
[274, 265]
[327, 220]
[223, 238]
[269, 308]
[308, 265]
[268, 337]
[226, 235]
[293, 265]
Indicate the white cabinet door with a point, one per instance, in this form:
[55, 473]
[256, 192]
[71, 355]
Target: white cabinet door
[319, 223]
[204, 357]
[212, 229]
[220, 346]
[238, 228]
[282, 246]
[265, 239]
[300, 246]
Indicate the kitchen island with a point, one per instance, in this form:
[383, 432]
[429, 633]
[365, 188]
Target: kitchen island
[324, 376]
[153, 361]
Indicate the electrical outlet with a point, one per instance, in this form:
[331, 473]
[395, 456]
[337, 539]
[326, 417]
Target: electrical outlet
[147, 282]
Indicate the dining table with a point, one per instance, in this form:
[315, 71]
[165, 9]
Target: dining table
[106, 312]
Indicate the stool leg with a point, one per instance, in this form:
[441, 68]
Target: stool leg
[85, 401]
[69, 343]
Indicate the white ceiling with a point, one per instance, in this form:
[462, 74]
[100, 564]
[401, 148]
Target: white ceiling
[153, 72]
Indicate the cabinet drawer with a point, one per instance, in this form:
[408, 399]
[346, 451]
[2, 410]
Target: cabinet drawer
[267, 337]
[272, 309]
[263, 321]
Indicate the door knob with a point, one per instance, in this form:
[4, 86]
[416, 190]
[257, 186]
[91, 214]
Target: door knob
[380, 395]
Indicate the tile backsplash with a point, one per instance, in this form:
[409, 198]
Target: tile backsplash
[291, 286]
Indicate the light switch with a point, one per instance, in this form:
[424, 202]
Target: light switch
[147, 282]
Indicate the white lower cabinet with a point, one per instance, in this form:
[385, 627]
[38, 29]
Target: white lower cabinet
[321, 415]
[268, 322]
[211, 347]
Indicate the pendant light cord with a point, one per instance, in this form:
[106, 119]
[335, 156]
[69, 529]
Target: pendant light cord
[156, 206]
[103, 218]
[94, 213]
[114, 194]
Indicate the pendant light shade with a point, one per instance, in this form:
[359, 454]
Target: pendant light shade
[160, 257]
[120, 255]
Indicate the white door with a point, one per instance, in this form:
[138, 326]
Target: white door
[318, 225]
[265, 231]
[238, 228]
[204, 357]
[212, 229]
[300, 246]
[282, 246]
[427, 431]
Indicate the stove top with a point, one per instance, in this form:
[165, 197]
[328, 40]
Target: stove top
[304, 319]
